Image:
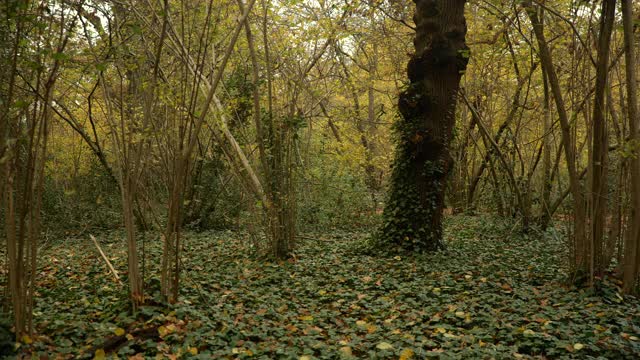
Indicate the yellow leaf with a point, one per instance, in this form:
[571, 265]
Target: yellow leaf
[193, 351]
[119, 331]
[304, 357]
[322, 292]
[406, 354]
[27, 339]
[460, 314]
[578, 346]
[361, 323]
[130, 337]
[346, 351]
[162, 331]
[306, 318]
[384, 346]
[99, 355]
[371, 328]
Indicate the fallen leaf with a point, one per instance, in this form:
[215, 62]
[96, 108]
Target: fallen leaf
[406, 354]
[99, 355]
[346, 351]
[384, 346]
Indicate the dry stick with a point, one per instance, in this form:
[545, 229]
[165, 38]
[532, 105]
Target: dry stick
[113, 271]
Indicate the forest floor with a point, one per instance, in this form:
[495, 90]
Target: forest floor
[493, 294]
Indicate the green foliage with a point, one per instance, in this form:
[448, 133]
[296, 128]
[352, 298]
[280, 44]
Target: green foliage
[494, 295]
[88, 201]
[215, 201]
[7, 338]
[238, 96]
[332, 197]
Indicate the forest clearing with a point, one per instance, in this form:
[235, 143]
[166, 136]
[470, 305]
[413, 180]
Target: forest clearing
[319, 179]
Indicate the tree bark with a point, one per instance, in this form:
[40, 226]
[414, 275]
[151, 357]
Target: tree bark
[599, 159]
[632, 241]
[413, 213]
[580, 250]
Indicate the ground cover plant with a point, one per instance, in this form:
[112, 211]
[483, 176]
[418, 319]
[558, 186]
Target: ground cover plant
[493, 293]
[319, 179]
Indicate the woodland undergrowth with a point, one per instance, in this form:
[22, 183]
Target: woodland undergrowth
[493, 293]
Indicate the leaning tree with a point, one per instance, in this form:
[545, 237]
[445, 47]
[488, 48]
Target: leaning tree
[413, 212]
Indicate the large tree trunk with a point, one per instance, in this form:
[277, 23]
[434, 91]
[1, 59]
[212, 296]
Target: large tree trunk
[413, 213]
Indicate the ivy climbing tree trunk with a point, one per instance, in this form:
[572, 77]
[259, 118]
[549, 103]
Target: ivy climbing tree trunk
[413, 212]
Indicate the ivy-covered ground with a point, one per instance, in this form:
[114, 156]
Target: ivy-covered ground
[492, 294]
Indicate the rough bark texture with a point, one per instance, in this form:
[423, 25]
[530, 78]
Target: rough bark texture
[413, 213]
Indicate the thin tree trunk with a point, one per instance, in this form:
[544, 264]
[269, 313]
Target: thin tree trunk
[599, 160]
[547, 185]
[580, 248]
[632, 240]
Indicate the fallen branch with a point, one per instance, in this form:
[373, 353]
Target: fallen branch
[114, 343]
[113, 271]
